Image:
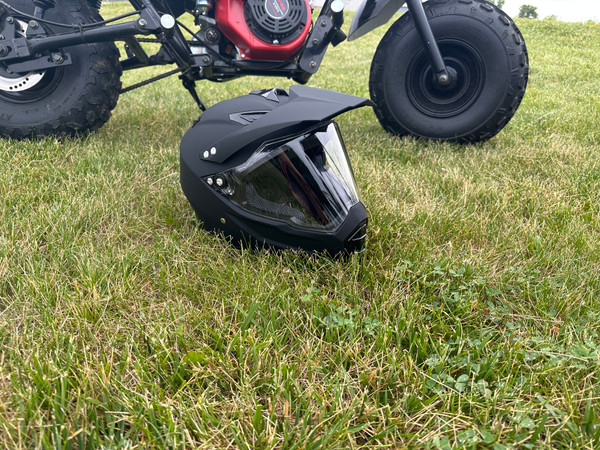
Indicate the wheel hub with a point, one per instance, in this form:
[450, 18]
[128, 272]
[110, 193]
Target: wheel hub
[449, 84]
[467, 74]
[17, 82]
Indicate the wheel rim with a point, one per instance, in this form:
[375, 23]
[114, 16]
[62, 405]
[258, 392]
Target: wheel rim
[30, 86]
[467, 71]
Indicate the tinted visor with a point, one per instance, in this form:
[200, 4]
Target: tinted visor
[306, 180]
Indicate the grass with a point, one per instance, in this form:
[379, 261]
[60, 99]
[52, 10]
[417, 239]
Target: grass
[471, 320]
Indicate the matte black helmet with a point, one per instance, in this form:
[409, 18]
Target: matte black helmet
[270, 168]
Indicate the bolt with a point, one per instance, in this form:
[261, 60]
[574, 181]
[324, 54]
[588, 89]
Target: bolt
[337, 6]
[444, 79]
[223, 221]
[206, 154]
[312, 64]
[167, 21]
[8, 71]
[57, 57]
[220, 182]
[33, 24]
[142, 23]
[206, 60]
[212, 35]
[3, 51]
[323, 23]
[315, 41]
[213, 151]
[10, 20]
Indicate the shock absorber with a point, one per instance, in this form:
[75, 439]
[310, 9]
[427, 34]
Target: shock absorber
[41, 6]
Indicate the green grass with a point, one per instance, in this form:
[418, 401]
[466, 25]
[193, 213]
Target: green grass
[471, 320]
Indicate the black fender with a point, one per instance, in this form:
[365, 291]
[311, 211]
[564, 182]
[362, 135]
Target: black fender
[372, 14]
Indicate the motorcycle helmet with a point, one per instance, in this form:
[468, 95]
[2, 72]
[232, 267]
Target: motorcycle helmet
[270, 169]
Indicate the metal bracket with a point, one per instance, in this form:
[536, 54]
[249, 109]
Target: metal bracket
[313, 54]
[43, 63]
[134, 49]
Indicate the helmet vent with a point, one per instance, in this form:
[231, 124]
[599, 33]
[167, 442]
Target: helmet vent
[246, 118]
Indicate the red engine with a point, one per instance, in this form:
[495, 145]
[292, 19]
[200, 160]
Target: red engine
[273, 30]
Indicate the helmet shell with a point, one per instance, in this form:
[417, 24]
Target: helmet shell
[230, 132]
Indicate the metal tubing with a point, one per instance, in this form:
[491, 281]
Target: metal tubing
[102, 34]
[431, 48]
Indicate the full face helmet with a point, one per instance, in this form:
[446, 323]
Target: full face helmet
[270, 168]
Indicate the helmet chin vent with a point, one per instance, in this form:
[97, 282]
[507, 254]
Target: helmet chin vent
[356, 241]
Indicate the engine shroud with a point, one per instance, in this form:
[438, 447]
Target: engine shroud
[273, 30]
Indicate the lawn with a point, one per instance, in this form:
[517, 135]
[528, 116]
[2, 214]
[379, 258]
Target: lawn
[471, 319]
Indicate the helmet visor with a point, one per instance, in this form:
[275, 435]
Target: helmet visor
[306, 180]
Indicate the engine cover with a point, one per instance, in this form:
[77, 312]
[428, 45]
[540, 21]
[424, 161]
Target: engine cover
[276, 21]
[272, 30]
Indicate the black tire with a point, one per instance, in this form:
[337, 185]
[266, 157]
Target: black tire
[67, 100]
[485, 49]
